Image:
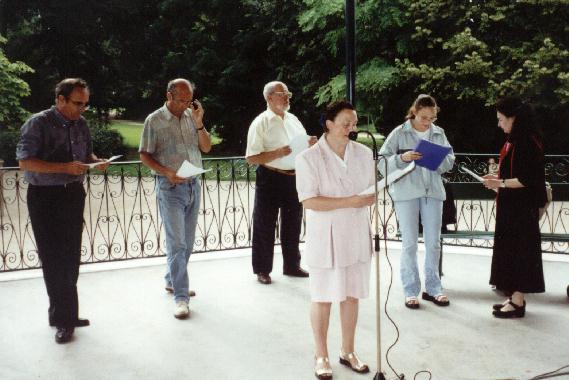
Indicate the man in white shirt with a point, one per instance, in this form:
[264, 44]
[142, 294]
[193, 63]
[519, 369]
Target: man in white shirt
[267, 144]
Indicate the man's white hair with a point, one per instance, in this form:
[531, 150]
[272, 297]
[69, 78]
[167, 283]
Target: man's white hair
[270, 88]
[174, 83]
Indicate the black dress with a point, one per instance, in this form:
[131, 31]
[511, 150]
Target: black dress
[516, 262]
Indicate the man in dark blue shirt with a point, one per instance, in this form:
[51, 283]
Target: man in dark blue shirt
[54, 150]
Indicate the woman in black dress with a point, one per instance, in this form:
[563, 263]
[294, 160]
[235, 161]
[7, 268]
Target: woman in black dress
[516, 262]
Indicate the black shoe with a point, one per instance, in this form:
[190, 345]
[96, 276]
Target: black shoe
[435, 299]
[264, 278]
[64, 334]
[80, 322]
[295, 272]
[498, 306]
[518, 312]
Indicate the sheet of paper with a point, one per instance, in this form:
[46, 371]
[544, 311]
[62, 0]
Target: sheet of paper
[297, 145]
[188, 170]
[433, 154]
[474, 175]
[93, 164]
[391, 177]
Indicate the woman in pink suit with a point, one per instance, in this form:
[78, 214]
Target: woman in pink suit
[329, 177]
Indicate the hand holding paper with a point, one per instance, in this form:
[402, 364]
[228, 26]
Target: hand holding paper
[95, 164]
[475, 176]
[188, 170]
[296, 145]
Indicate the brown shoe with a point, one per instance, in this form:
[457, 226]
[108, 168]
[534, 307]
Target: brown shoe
[264, 278]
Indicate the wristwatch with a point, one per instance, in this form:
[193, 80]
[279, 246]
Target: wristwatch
[199, 129]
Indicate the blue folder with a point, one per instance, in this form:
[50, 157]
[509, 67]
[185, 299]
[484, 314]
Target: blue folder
[433, 154]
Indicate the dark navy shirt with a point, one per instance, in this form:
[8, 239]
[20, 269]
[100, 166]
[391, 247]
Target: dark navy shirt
[49, 136]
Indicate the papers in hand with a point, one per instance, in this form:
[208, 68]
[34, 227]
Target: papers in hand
[93, 164]
[391, 177]
[297, 145]
[188, 170]
[433, 154]
[474, 175]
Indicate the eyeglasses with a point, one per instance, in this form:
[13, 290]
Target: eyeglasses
[283, 94]
[426, 118]
[80, 104]
[184, 102]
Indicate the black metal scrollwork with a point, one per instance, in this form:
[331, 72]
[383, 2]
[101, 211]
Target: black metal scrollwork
[122, 221]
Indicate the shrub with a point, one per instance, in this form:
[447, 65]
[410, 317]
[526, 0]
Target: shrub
[8, 141]
[107, 142]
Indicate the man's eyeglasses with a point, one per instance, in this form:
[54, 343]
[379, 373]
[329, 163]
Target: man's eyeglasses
[184, 102]
[80, 104]
[283, 94]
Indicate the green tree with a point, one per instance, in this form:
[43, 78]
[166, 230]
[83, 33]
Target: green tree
[12, 89]
[464, 53]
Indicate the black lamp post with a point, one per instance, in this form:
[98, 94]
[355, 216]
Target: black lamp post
[351, 51]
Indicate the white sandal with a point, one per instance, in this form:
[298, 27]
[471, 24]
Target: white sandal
[322, 369]
[351, 360]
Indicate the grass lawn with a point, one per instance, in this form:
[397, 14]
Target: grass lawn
[131, 131]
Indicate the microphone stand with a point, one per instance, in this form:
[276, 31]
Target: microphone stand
[353, 136]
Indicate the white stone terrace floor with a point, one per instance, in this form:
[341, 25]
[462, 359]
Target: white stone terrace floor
[240, 329]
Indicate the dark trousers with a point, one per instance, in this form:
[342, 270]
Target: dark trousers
[274, 192]
[56, 213]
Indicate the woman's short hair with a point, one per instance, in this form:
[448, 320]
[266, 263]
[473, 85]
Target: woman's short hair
[524, 123]
[422, 101]
[333, 109]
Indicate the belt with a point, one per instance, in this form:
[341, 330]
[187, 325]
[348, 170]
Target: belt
[285, 172]
[70, 185]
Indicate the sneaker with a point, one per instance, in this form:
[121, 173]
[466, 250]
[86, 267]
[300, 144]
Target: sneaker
[182, 310]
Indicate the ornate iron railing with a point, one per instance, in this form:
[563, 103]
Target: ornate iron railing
[122, 219]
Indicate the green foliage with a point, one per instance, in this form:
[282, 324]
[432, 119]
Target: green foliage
[8, 142]
[107, 142]
[12, 89]
[465, 53]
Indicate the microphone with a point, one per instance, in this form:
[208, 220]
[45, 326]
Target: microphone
[353, 135]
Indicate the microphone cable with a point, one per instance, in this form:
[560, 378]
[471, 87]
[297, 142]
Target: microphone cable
[391, 320]
[552, 374]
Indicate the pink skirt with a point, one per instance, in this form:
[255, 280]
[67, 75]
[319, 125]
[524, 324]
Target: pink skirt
[336, 284]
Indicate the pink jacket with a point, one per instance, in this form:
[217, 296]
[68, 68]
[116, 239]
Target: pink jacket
[341, 237]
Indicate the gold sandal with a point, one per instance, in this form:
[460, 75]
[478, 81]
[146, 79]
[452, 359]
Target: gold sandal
[351, 360]
[322, 369]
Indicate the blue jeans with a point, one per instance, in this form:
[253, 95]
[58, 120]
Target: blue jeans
[179, 206]
[431, 218]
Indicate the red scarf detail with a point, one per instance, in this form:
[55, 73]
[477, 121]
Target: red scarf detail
[503, 153]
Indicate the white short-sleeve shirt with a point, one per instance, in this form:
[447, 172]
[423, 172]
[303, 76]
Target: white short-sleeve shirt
[269, 132]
